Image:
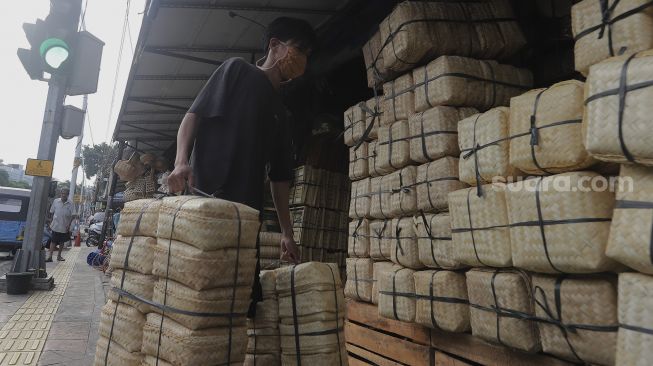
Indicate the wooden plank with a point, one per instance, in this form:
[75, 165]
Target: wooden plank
[387, 345]
[477, 350]
[368, 314]
[371, 357]
[443, 359]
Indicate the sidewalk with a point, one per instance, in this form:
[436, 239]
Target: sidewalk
[32, 333]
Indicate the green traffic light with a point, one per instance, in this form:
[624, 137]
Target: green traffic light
[55, 52]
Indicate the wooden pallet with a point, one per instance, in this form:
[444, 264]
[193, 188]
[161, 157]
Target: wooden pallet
[372, 340]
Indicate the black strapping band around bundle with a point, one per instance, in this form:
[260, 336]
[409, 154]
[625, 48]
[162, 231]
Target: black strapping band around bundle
[355, 235]
[379, 236]
[642, 205]
[394, 292]
[471, 229]
[474, 151]
[633, 328]
[375, 116]
[409, 295]
[496, 304]
[427, 228]
[534, 132]
[293, 298]
[398, 247]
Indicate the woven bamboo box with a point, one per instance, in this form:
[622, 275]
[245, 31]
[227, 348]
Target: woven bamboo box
[360, 199]
[435, 180]
[110, 353]
[417, 31]
[354, 124]
[632, 222]
[556, 229]
[373, 58]
[434, 241]
[380, 239]
[359, 279]
[380, 199]
[618, 129]
[377, 269]
[588, 306]
[123, 324]
[358, 165]
[140, 250]
[442, 300]
[398, 100]
[403, 248]
[148, 212]
[134, 283]
[605, 29]
[400, 187]
[634, 341]
[479, 226]
[466, 82]
[359, 239]
[393, 148]
[397, 294]
[494, 297]
[546, 130]
[434, 132]
[484, 147]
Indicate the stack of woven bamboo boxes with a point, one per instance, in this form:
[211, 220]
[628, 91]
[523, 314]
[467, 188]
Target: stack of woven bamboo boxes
[319, 199]
[528, 252]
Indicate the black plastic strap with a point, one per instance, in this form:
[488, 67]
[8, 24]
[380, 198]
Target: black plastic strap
[398, 247]
[427, 227]
[623, 82]
[580, 220]
[471, 228]
[443, 299]
[355, 234]
[637, 329]
[426, 92]
[534, 132]
[293, 297]
[475, 148]
[626, 204]
[390, 143]
[379, 236]
[493, 78]
[540, 221]
[380, 197]
[425, 152]
[496, 305]
[356, 280]
[394, 292]
[431, 302]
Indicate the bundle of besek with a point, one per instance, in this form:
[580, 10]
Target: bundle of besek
[311, 315]
[270, 251]
[203, 269]
[263, 347]
[132, 259]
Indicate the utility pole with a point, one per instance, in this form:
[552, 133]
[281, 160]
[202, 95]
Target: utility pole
[78, 158]
[38, 203]
[71, 58]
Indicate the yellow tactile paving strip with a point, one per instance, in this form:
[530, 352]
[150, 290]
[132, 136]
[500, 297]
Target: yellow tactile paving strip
[23, 337]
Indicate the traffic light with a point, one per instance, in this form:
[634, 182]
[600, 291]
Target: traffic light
[52, 40]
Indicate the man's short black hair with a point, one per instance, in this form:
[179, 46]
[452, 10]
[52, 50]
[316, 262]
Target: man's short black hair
[291, 29]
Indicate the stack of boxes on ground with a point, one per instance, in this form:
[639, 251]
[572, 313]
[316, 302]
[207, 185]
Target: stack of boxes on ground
[528, 252]
[319, 199]
[181, 290]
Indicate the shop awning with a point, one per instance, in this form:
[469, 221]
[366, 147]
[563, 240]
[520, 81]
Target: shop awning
[181, 42]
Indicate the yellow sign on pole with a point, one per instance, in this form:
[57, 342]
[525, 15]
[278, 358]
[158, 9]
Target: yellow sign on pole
[39, 168]
[77, 198]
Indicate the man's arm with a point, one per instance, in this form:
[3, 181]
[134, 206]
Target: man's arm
[185, 139]
[280, 195]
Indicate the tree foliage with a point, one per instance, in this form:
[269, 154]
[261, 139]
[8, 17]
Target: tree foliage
[5, 182]
[98, 158]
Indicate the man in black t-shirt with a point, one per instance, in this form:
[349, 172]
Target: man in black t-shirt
[238, 125]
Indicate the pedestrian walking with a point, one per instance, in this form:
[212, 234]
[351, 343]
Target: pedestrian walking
[62, 215]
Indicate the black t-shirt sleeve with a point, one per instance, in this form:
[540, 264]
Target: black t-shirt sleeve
[281, 160]
[213, 100]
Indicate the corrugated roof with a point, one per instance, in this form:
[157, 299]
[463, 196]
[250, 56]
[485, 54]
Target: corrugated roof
[181, 42]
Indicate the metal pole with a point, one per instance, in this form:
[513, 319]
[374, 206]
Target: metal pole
[38, 203]
[77, 160]
[111, 188]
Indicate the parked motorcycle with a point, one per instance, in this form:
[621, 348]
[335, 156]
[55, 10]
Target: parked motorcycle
[94, 233]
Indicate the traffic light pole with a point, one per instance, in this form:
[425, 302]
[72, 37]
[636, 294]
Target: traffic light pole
[38, 204]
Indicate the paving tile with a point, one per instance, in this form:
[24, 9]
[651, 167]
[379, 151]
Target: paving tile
[51, 358]
[68, 345]
[69, 330]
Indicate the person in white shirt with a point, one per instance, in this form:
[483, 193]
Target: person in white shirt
[62, 215]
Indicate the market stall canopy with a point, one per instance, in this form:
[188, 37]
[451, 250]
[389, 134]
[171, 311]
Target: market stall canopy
[181, 42]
